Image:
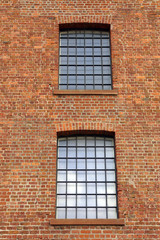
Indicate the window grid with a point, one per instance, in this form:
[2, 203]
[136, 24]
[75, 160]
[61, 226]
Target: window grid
[71, 189]
[85, 63]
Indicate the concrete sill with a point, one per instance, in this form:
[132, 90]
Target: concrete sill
[85, 92]
[93, 222]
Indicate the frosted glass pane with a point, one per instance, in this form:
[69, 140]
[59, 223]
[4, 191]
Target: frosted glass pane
[100, 175]
[71, 163]
[97, 51]
[71, 176]
[63, 42]
[71, 141]
[90, 141]
[71, 200]
[71, 188]
[72, 152]
[112, 213]
[81, 176]
[72, 51]
[91, 200]
[81, 163]
[90, 175]
[101, 200]
[91, 188]
[80, 42]
[62, 152]
[100, 164]
[81, 188]
[61, 188]
[61, 163]
[105, 42]
[97, 42]
[80, 152]
[80, 60]
[80, 141]
[61, 200]
[71, 60]
[72, 42]
[100, 152]
[110, 164]
[88, 42]
[111, 188]
[110, 175]
[61, 176]
[111, 201]
[110, 152]
[88, 51]
[99, 141]
[80, 51]
[101, 213]
[81, 213]
[101, 188]
[90, 163]
[109, 142]
[90, 152]
[81, 201]
[91, 213]
[71, 213]
[60, 213]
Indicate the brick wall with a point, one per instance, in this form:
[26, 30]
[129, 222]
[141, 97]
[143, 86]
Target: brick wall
[32, 115]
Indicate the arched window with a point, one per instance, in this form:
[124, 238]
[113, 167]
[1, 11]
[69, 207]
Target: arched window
[86, 178]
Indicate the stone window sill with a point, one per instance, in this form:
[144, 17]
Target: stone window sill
[93, 222]
[85, 92]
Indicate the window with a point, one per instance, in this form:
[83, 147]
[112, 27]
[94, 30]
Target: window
[86, 178]
[85, 60]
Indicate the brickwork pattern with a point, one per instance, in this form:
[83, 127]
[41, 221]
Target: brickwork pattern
[32, 115]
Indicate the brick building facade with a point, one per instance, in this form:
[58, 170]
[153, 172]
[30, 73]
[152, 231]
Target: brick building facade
[35, 113]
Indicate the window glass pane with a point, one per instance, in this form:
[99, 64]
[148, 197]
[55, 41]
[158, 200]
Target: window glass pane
[89, 87]
[71, 152]
[110, 152]
[106, 79]
[110, 164]
[61, 176]
[80, 141]
[100, 175]
[80, 34]
[63, 60]
[90, 175]
[90, 152]
[110, 176]
[105, 42]
[97, 61]
[60, 213]
[106, 60]
[71, 213]
[71, 176]
[88, 51]
[97, 42]
[89, 60]
[71, 87]
[71, 60]
[91, 164]
[89, 80]
[71, 200]
[97, 70]
[80, 51]
[72, 51]
[80, 70]
[105, 51]
[72, 42]
[62, 79]
[63, 51]
[81, 213]
[81, 176]
[101, 200]
[98, 80]
[99, 141]
[61, 200]
[111, 188]
[112, 214]
[109, 142]
[106, 70]
[100, 152]
[61, 188]
[88, 42]
[81, 188]
[62, 164]
[88, 34]
[80, 60]
[97, 51]
[71, 188]
[91, 188]
[72, 80]
[63, 42]
[91, 200]
[111, 201]
[71, 164]
[80, 163]
[72, 141]
[90, 141]
[107, 87]
[100, 164]
[81, 200]
[80, 152]
[71, 70]
[91, 213]
[80, 79]
[63, 70]
[101, 188]
[101, 213]
[80, 42]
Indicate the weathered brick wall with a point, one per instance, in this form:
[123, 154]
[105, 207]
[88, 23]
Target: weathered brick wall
[31, 115]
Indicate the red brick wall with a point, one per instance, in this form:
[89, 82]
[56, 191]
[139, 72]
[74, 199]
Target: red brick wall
[31, 115]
